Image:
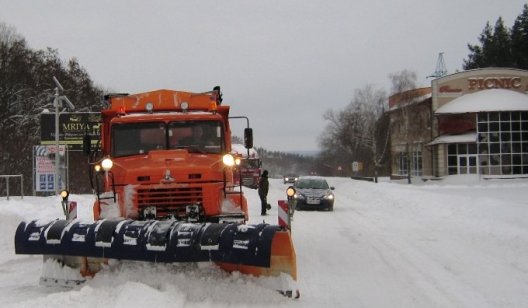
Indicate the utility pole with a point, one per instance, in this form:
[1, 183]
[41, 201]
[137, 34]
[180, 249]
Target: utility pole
[57, 103]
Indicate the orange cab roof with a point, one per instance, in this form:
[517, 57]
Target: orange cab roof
[161, 100]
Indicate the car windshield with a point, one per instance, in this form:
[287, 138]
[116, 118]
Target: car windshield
[311, 183]
[140, 138]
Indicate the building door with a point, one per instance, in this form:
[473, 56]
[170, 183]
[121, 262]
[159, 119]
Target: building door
[467, 164]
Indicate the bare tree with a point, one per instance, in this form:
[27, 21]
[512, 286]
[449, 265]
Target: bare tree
[402, 83]
[26, 89]
[351, 134]
[372, 104]
[8, 34]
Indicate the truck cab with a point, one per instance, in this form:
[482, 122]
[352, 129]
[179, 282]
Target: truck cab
[170, 159]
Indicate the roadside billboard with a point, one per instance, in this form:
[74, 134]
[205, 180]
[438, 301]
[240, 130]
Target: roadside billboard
[72, 128]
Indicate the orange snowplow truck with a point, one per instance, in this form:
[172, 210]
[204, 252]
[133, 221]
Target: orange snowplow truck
[163, 177]
[169, 158]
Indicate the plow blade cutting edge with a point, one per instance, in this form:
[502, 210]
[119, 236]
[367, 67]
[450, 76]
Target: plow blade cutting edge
[260, 250]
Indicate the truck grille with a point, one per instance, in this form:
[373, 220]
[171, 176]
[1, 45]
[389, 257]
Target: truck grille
[168, 200]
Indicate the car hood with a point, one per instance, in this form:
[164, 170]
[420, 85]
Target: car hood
[312, 192]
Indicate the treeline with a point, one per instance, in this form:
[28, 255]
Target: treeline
[501, 46]
[280, 163]
[26, 90]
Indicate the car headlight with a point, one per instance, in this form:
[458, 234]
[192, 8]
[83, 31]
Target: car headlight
[329, 196]
[298, 196]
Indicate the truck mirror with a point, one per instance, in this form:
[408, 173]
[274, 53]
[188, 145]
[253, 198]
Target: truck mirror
[87, 144]
[248, 138]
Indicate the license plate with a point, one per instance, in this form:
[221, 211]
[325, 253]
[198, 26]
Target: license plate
[312, 200]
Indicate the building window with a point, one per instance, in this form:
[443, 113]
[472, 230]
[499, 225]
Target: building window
[416, 163]
[402, 163]
[503, 143]
[461, 158]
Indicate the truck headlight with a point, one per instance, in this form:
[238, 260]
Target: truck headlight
[228, 160]
[107, 164]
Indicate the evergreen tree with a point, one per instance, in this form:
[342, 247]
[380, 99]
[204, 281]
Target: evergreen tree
[499, 52]
[500, 46]
[476, 57]
[519, 38]
[495, 49]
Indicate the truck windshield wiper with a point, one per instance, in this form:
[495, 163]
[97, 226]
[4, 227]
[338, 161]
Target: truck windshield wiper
[196, 149]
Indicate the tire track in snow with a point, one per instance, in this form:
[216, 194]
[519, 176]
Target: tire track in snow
[436, 277]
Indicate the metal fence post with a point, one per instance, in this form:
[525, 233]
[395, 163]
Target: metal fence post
[7, 184]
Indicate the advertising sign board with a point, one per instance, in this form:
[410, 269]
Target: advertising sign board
[44, 161]
[72, 127]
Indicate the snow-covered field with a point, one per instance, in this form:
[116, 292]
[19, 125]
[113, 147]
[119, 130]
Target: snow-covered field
[457, 243]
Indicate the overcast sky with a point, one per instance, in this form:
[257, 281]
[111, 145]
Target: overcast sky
[281, 63]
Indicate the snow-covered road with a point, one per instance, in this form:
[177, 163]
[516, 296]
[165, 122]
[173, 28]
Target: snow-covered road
[385, 245]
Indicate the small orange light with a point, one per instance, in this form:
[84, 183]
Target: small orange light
[212, 106]
[122, 110]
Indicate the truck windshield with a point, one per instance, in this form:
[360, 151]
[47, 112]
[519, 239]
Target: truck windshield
[140, 138]
[251, 163]
[196, 136]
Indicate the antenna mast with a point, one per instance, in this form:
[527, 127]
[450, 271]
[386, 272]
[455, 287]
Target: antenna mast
[441, 70]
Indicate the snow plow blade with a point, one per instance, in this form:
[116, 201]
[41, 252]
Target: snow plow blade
[260, 250]
[283, 259]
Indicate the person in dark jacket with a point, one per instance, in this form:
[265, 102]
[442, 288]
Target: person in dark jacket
[263, 187]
